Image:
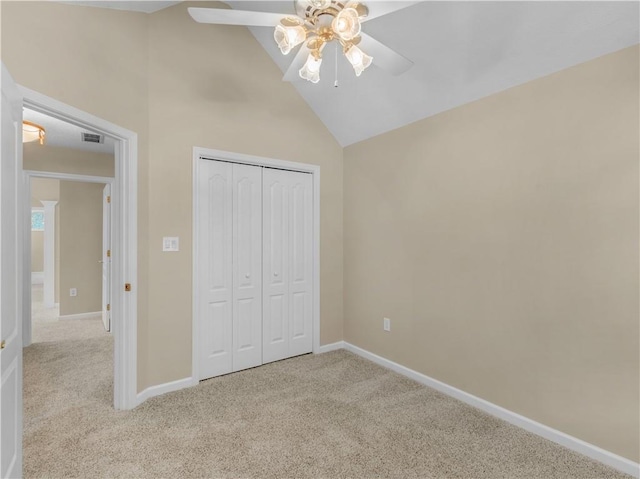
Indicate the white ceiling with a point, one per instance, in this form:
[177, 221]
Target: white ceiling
[463, 51]
[61, 133]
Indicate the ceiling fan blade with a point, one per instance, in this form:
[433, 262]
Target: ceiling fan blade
[380, 8]
[292, 72]
[383, 56]
[223, 16]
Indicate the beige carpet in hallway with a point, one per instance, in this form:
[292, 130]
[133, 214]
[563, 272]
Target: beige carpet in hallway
[332, 415]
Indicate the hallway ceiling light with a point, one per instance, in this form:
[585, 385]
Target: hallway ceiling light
[32, 132]
[317, 23]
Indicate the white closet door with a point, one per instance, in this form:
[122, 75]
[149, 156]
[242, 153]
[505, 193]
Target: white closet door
[275, 318]
[301, 257]
[215, 272]
[247, 267]
[287, 309]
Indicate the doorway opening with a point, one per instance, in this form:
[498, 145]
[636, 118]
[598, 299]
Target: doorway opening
[120, 297]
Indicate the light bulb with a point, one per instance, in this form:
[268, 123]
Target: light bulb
[311, 69]
[289, 37]
[358, 59]
[346, 24]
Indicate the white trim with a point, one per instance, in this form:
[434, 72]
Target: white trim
[24, 212]
[37, 277]
[209, 154]
[69, 177]
[95, 314]
[578, 445]
[165, 388]
[124, 208]
[326, 348]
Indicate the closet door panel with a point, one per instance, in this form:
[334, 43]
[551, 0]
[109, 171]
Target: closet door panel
[247, 266]
[301, 263]
[215, 268]
[276, 267]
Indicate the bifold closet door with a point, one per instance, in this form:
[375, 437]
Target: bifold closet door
[229, 267]
[287, 267]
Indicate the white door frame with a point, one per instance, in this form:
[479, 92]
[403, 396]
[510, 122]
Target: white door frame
[27, 327]
[203, 154]
[124, 234]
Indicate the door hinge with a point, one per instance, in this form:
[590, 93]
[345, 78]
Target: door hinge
[127, 286]
[108, 253]
[108, 307]
[109, 199]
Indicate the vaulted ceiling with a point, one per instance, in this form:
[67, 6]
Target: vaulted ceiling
[462, 51]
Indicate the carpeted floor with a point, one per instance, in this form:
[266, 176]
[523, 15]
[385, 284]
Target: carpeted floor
[333, 415]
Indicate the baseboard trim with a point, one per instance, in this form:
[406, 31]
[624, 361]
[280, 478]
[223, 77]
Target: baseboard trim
[80, 315]
[37, 277]
[164, 388]
[325, 348]
[578, 445]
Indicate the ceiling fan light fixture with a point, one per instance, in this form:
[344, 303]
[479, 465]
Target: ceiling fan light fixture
[358, 59]
[288, 37]
[32, 132]
[346, 24]
[311, 69]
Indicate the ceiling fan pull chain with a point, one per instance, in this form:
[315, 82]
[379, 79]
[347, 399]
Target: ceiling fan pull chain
[335, 84]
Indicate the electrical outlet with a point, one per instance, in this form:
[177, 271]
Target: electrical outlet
[73, 292]
[387, 324]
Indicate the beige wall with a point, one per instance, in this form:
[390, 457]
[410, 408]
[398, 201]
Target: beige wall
[57, 159]
[501, 238]
[37, 251]
[178, 85]
[80, 220]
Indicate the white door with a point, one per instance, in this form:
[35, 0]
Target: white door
[106, 257]
[287, 266]
[215, 267]
[247, 267]
[10, 291]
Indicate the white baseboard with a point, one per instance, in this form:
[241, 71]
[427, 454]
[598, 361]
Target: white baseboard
[81, 315]
[594, 452]
[165, 388]
[37, 277]
[330, 347]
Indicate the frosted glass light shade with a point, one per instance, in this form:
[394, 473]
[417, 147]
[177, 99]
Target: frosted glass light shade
[311, 69]
[358, 59]
[32, 132]
[288, 37]
[346, 24]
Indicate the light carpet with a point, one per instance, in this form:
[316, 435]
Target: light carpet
[333, 415]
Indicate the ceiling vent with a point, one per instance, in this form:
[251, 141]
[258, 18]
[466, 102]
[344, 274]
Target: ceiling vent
[91, 137]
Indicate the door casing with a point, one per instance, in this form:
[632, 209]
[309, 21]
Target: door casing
[124, 211]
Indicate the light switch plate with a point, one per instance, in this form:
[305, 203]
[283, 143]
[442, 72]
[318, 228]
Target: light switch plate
[170, 243]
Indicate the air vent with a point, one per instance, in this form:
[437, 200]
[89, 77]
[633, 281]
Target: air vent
[91, 137]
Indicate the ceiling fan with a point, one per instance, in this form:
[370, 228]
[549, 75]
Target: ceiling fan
[317, 23]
